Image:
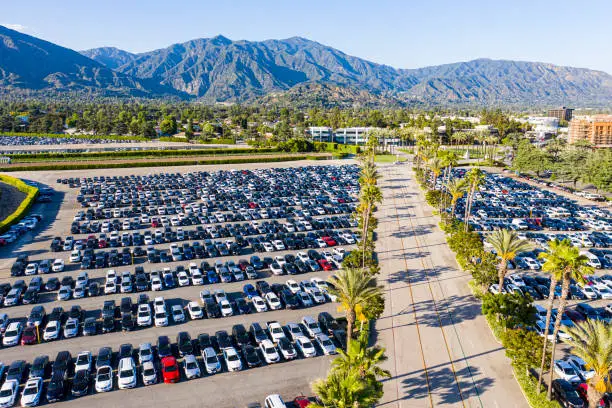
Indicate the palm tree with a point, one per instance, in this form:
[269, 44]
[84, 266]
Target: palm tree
[507, 245]
[435, 165]
[369, 174]
[456, 188]
[370, 195]
[344, 390]
[592, 342]
[475, 178]
[354, 288]
[574, 267]
[363, 359]
[553, 264]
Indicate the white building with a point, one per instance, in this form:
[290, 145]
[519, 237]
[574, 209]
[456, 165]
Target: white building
[353, 135]
[320, 133]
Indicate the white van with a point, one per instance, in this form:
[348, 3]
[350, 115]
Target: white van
[274, 401]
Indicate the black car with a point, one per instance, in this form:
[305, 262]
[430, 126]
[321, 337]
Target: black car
[108, 324]
[242, 306]
[16, 371]
[126, 306]
[223, 339]
[109, 308]
[289, 299]
[212, 309]
[76, 312]
[52, 284]
[127, 322]
[125, 350]
[184, 344]
[327, 322]
[164, 348]
[90, 326]
[258, 334]
[39, 367]
[62, 363]
[104, 358]
[263, 287]
[566, 394]
[240, 335]
[251, 356]
[204, 341]
[80, 383]
[56, 389]
[93, 289]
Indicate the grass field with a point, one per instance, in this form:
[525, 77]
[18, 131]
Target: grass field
[387, 158]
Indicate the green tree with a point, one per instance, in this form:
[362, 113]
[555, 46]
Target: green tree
[456, 187]
[475, 178]
[592, 341]
[507, 245]
[168, 126]
[510, 309]
[353, 288]
[523, 347]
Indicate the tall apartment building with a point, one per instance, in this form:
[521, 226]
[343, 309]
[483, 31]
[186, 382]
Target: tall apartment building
[596, 129]
[561, 113]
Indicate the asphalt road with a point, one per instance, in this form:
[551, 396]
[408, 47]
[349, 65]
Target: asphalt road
[441, 351]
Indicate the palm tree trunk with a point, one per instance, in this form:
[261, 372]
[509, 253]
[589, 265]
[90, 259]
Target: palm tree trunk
[364, 238]
[453, 204]
[593, 396]
[350, 322]
[501, 273]
[564, 290]
[551, 300]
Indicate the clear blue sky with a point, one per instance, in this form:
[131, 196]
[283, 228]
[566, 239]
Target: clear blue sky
[400, 33]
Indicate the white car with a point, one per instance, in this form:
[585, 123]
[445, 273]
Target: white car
[149, 374]
[305, 346]
[565, 370]
[580, 366]
[269, 352]
[111, 276]
[302, 256]
[160, 317]
[320, 284]
[145, 353]
[604, 291]
[8, 393]
[293, 286]
[58, 265]
[83, 361]
[268, 247]
[191, 367]
[531, 263]
[177, 313]
[590, 292]
[197, 278]
[321, 243]
[211, 360]
[30, 396]
[226, 308]
[104, 379]
[220, 295]
[273, 301]
[183, 278]
[143, 315]
[159, 302]
[71, 328]
[276, 331]
[75, 256]
[232, 359]
[31, 269]
[156, 284]
[276, 268]
[260, 305]
[325, 344]
[280, 260]
[195, 311]
[278, 245]
[126, 373]
[52, 330]
[311, 325]
[12, 335]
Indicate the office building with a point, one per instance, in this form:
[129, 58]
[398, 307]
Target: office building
[320, 133]
[353, 135]
[561, 114]
[596, 129]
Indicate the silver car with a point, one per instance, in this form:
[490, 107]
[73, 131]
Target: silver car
[149, 374]
[326, 344]
[71, 328]
[191, 367]
[145, 353]
[211, 360]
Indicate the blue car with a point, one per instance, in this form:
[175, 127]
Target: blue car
[212, 276]
[250, 291]
[168, 281]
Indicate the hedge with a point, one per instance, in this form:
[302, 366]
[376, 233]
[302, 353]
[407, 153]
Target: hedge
[139, 153]
[218, 141]
[65, 136]
[193, 162]
[31, 194]
[337, 148]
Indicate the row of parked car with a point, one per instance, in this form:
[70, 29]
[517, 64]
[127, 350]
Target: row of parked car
[168, 362]
[45, 141]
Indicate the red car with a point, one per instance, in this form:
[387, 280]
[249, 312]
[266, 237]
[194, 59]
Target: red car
[582, 391]
[301, 401]
[329, 241]
[252, 205]
[154, 223]
[326, 266]
[28, 336]
[102, 243]
[170, 370]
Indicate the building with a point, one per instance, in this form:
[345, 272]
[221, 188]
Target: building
[563, 114]
[320, 133]
[596, 129]
[353, 135]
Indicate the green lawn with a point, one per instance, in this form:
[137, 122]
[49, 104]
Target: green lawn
[387, 158]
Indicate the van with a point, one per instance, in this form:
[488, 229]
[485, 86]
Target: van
[274, 401]
[520, 224]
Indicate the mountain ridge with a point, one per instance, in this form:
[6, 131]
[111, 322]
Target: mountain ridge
[218, 69]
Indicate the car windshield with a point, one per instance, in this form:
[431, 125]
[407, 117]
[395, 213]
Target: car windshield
[10, 333]
[192, 365]
[125, 373]
[211, 360]
[170, 368]
[232, 357]
[327, 343]
[31, 390]
[145, 352]
[270, 350]
[6, 393]
[149, 371]
[81, 360]
[104, 376]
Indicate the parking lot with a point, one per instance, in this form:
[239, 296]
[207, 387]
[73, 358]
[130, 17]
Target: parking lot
[296, 220]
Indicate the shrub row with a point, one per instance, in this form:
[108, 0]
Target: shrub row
[63, 135]
[111, 165]
[140, 153]
[336, 148]
[31, 194]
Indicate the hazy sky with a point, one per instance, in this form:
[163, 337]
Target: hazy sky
[400, 33]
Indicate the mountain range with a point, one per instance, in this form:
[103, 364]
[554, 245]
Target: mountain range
[293, 70]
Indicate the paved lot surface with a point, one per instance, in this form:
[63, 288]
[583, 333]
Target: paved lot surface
[441, 351]
[222, 390]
